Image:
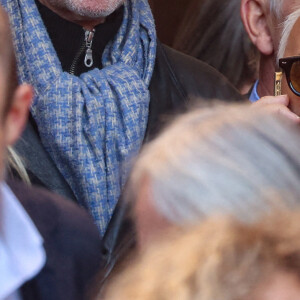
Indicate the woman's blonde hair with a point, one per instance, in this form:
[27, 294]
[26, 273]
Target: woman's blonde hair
[221, 259]
[16, 164]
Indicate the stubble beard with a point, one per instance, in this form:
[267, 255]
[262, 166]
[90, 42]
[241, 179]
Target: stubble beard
[89, 8]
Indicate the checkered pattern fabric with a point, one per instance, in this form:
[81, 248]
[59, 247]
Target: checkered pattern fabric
[94, 124]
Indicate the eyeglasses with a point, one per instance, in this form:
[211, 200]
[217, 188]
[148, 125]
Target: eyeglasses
[291, 68]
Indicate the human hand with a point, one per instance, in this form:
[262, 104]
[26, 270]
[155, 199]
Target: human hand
[277, 105]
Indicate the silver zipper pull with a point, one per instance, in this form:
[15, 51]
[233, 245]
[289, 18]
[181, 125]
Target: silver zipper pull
[88, 59]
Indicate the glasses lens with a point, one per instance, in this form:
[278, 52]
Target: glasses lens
[295, 75]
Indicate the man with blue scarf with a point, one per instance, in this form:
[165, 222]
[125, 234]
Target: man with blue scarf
[103, 85]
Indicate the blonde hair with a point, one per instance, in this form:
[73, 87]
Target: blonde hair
[220, 259]
[16, 163]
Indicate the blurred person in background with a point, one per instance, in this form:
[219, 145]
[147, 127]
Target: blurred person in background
[226, 159]
[49, 247]
[212, 31]
[222, 259]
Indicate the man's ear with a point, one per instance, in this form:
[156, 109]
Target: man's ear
[254, 14]
[17, 115]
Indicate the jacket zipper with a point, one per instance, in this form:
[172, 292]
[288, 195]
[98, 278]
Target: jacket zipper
[87, 47]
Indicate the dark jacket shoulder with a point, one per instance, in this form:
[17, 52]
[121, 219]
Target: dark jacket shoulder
[192, 77]
[178, 80]
[71, 242]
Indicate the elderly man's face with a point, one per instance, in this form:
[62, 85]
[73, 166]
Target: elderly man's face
[293, 49]
[85, 8]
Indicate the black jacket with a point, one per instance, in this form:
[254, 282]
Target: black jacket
[71, 242]
[179, 78]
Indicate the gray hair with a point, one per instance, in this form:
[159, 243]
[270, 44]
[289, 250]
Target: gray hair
[229, 159]
[275, 7]
[286, 31]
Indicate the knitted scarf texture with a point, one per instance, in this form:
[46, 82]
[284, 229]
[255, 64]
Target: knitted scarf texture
[91, 125]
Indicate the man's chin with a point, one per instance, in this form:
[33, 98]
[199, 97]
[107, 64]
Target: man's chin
[83, 10]
[93, 9]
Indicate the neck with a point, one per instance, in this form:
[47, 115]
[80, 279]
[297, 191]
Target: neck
[266, 76]
[85, 22]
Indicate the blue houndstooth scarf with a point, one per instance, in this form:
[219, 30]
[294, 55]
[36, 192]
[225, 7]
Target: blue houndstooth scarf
[93, 124]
